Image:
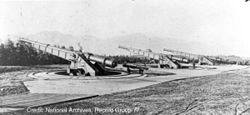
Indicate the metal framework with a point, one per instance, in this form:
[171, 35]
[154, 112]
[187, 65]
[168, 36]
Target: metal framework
[81, 62]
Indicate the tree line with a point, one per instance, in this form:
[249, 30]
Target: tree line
[18, 54]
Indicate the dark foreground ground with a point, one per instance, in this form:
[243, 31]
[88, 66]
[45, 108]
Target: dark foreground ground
[221, 94]
[12, 77]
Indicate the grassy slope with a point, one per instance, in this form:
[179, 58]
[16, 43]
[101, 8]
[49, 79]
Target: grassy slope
[217, 94]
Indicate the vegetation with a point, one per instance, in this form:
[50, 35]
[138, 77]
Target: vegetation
[23, 55]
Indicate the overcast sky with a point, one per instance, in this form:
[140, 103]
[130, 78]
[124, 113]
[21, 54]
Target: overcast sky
[224, 24]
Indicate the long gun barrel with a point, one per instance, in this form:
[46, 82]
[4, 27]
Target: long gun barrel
[184, 54]
[163, 59]
[200, 58]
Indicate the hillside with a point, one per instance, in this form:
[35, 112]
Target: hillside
[109, 46]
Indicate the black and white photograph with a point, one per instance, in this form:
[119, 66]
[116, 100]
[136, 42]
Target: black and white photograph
[124, 57]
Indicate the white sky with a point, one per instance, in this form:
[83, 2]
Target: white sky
[224, 24]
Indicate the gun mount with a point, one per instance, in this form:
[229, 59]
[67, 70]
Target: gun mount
[164, 60]
[82, 63]
[192, 57]
[134, 66]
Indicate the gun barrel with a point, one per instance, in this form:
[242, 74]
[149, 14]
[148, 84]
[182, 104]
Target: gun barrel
[184, 54]
[100, 59]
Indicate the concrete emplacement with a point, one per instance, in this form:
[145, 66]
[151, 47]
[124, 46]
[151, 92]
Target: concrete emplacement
[50, 82]
[52, 88]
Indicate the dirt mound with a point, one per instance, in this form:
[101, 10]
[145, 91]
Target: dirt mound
[8, 87]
